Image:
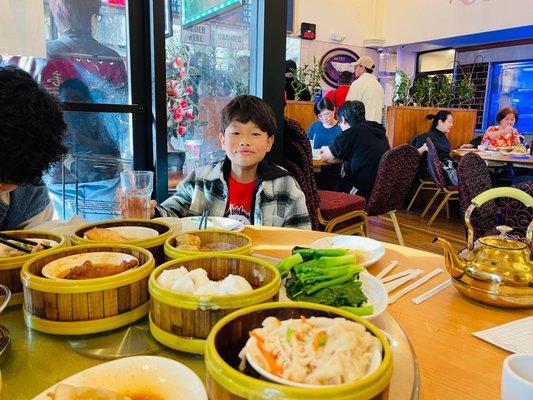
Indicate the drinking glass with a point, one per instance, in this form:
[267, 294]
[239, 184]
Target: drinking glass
[137, 189]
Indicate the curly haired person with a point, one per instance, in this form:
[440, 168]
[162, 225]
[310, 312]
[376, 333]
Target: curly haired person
[31, 132]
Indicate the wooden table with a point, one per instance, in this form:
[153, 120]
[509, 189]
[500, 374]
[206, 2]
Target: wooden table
[495, 159]
[453, 363]
[318, 163]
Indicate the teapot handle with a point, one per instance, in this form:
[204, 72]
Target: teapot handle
[491, 194]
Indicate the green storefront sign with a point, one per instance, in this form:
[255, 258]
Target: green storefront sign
[196, 11]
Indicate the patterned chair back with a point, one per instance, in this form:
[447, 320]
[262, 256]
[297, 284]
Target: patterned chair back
[298, 160]
[515, 213]
[396, 172]
[474, 178]
[434, 166]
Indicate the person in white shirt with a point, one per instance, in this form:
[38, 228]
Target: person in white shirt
[367, 89]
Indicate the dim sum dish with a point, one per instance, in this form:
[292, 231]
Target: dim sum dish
[150, 235]
[130, 378]
[313, 351]
[296, 350]
[12, 260]
[89, 266]
[207, 240]
[88, 288]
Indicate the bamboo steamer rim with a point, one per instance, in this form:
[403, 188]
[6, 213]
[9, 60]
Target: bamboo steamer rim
[48, 285]
[173, 251]
[8, 262]
[176, 342]
[145, 243]
[193, 302]
[246, 386]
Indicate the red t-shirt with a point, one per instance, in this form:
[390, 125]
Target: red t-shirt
[240, 199]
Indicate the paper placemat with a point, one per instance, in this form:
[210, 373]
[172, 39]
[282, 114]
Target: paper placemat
[516, 336]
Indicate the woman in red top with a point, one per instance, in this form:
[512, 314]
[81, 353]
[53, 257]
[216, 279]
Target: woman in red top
[504, 134]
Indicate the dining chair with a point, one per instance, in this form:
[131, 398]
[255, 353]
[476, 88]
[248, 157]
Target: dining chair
[425, 184]
[515, 213]
[474, 179]
[329, 211]
[435, 172]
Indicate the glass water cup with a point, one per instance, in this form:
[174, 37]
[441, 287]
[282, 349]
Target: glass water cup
[137, 187]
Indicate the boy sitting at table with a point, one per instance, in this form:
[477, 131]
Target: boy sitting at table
[31, 131]
[244, 186]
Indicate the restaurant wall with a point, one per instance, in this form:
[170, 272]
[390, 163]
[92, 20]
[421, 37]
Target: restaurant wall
[353, 19]
[422, 20]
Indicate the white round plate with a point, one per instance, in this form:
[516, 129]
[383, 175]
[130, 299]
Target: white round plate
[367, 251]
[159, 376]
[59, 268]
[4, 249]
[135, 232]
[373, 289]
[191, 223]
[374, 364]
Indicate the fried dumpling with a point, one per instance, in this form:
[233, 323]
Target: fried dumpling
[105, 235]
[68, 392]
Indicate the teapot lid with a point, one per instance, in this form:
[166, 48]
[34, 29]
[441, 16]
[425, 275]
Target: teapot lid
[503, 240]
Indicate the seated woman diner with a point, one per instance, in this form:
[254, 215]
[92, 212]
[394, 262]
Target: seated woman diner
[504, 134]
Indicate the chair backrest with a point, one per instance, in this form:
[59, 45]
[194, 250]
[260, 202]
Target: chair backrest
[396, 172]
[515, 213]
[434, 165]
[474, 178]
[298, 160]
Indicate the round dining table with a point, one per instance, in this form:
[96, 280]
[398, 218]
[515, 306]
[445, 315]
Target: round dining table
[435, 355]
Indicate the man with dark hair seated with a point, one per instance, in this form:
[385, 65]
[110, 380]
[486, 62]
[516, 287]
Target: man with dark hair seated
[31, 132]
[360, 146]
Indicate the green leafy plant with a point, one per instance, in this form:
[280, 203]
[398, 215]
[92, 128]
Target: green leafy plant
[464, 90]
[421, 91]
[441, 90]
[307, 78]
[401, 89]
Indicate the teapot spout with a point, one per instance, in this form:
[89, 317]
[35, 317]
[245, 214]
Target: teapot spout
[454, 264]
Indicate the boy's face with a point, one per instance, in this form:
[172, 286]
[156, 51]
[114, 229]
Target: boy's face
[245, 143]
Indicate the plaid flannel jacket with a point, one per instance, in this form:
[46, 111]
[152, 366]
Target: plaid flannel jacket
[278, 200]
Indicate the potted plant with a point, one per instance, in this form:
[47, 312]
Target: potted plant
[307, 78]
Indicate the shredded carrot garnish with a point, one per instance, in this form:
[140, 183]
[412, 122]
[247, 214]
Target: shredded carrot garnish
[273, 365]
[320, 340]
[303, 319]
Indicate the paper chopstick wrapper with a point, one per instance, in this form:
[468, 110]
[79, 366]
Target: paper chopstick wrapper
[431, 292]
[414, 285]
[390, 286]
[387, 269]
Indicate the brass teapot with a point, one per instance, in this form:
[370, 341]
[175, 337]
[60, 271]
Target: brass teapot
[495, 270]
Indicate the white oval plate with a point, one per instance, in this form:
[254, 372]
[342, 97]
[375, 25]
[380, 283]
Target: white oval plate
[373, 289]
[374, 364]
[367, 251]
[191, 223]
[135, 232]
[161, 376]
[59, 268]
[5, 249]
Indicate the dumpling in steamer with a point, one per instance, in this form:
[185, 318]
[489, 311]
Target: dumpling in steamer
[184, 285]
[234, 284]
[168, 276]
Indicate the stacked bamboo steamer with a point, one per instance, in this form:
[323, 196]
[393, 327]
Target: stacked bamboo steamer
[10, 267]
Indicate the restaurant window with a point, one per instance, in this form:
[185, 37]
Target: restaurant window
[87, 68]
[436, 62]
[207, 64]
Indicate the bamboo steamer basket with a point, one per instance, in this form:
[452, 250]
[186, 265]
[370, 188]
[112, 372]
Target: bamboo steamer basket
[183, 321]
[224, 381]
[154, 245]
[77, 307]
[10, 266]
[242, 241]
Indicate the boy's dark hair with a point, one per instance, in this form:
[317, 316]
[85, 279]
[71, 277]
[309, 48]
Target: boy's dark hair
[345, 78]
[247, 108]
[323, 104]
[31, 128]
[353, 112]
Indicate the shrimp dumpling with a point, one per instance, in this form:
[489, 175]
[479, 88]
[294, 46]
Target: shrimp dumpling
[211, 288]
[167, 278]
[183, 285]
[234, 284]
[199, 277]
